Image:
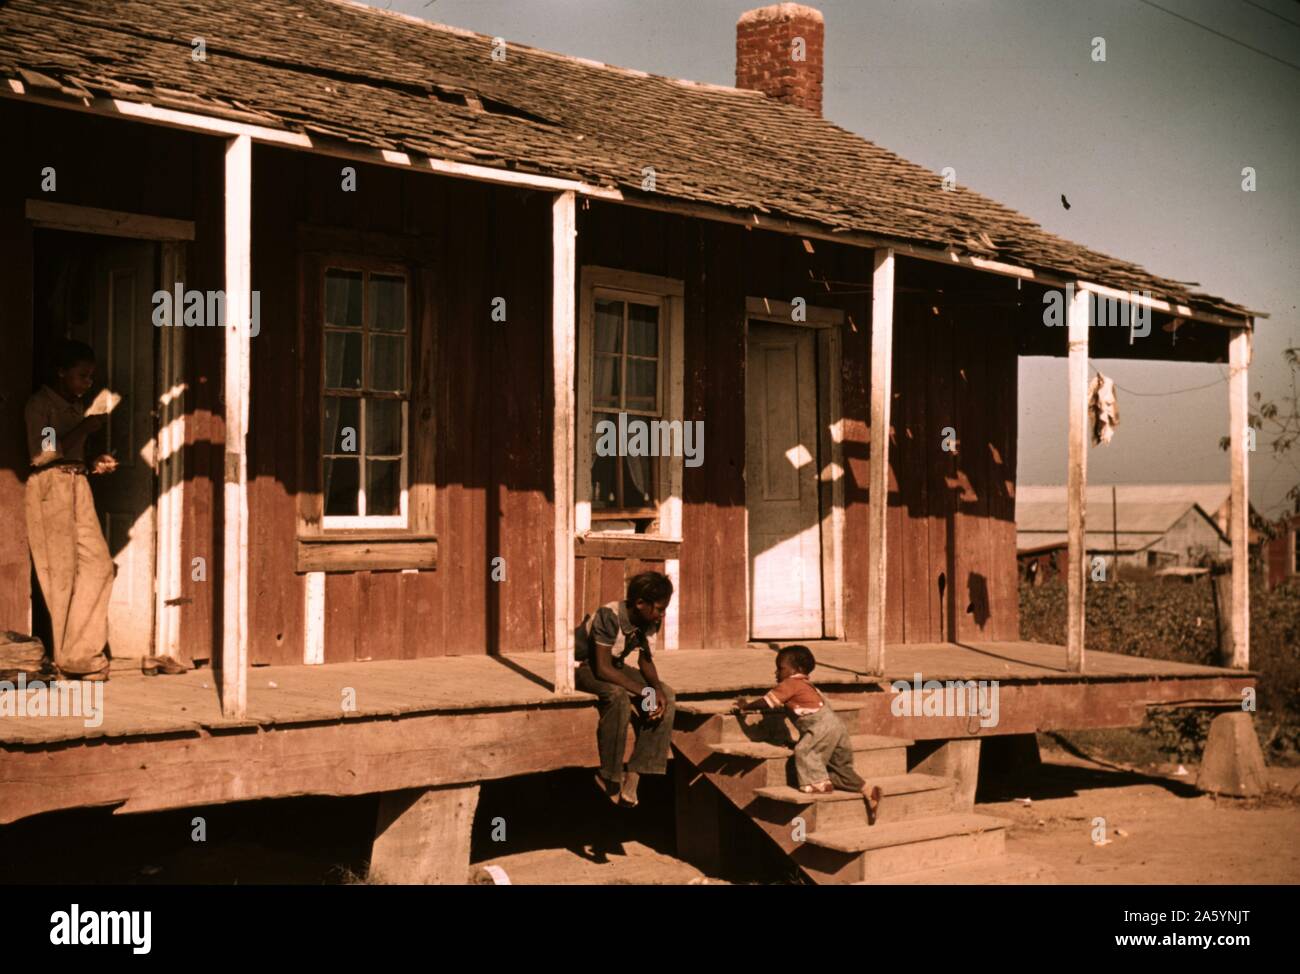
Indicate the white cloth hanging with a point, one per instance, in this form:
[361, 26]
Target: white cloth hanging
[1103, 408]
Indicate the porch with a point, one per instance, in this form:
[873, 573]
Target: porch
[385, 726]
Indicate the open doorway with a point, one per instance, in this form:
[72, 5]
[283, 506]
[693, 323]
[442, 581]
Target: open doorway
[98, 290]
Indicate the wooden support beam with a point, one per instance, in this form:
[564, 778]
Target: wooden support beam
[956, 759]
[238, 284]
[882, 351]
[563, 362]
[1076, 491]
[1239, 506]
[422, 836]
[108, 223]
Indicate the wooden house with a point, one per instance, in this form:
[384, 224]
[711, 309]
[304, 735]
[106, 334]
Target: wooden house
[467, 254]
[1282, 552]
[1143, 525]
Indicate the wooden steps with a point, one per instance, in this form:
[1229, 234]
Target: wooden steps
[903, 797]
[920, 834]
[723, 707]
[880, 852]
[873, 757]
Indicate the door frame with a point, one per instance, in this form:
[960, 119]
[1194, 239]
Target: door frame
[830, 448]
[173, 237]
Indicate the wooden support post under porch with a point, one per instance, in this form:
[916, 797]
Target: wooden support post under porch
[238, 284]
[422, 836]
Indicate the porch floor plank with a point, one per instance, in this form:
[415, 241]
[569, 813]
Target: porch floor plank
[136, 705]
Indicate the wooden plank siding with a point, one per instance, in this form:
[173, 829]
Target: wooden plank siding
[490, 461]
[488, 392]
[951, 513]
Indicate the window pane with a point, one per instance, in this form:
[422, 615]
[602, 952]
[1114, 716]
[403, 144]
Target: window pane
[341, 485]
[643, 329]
[342, 425]
[605, 380]
[642, 383]
[383, 481]
[388, 363]
[342, 360]
[638, 482]
[609, 326]
[387, 302]
[383, 427]
[343, 299]
[604, 469]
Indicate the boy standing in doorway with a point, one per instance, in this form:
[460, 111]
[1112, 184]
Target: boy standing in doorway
[73, 564]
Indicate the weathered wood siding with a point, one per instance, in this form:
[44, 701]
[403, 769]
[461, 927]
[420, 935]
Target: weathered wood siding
[492, 447]
[951, 513]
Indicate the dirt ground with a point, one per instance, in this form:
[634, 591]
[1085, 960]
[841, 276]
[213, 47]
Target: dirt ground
[1159, 829]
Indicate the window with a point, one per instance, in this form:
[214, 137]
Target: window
[625, 379]
[630, 353]
[366, 393]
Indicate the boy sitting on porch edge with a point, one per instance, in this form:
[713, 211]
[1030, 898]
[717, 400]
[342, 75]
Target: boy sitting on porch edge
[604, 641]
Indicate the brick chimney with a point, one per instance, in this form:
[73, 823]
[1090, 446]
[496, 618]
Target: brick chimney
[779, 51]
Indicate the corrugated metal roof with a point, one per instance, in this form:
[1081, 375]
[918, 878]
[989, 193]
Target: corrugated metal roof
[339, 70]
[1093, 540]
[1152, 508]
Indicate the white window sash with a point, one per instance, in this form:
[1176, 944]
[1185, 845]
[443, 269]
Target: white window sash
[401, 519]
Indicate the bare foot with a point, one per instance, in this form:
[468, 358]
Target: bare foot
[607, 788]
[872, 795]
[627, 798]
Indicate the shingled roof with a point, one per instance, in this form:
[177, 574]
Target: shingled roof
[335, 69]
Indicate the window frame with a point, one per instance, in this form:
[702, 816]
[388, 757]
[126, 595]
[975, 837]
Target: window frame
[628, 298]
[367, 268]
[345, 549]
[599, 283]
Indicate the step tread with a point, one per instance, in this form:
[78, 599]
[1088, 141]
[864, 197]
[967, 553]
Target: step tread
[1012, 869]
[724, 707]
[761, 749]
[865, 838]
[899, 784]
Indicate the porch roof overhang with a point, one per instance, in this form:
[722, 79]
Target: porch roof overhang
[227, 127]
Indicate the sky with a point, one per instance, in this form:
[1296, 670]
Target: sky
[1148, 146]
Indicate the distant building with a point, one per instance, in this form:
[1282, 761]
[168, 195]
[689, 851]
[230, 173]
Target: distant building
[1282, 552]
[1158, 525]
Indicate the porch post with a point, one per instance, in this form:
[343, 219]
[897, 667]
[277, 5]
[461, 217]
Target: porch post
[563, 342]
[238, 281]
[1239, 507]
[882, 345]
[1077, 369]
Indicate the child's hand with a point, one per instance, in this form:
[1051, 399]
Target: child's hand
[104, 464]
[738, 705]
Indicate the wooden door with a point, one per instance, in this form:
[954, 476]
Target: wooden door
[122, 333]
[781, 464]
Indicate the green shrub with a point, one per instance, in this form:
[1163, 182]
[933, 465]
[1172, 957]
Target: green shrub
[1174, 620]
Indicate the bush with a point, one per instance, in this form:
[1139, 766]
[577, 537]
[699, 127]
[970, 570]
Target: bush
[1174, 620]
